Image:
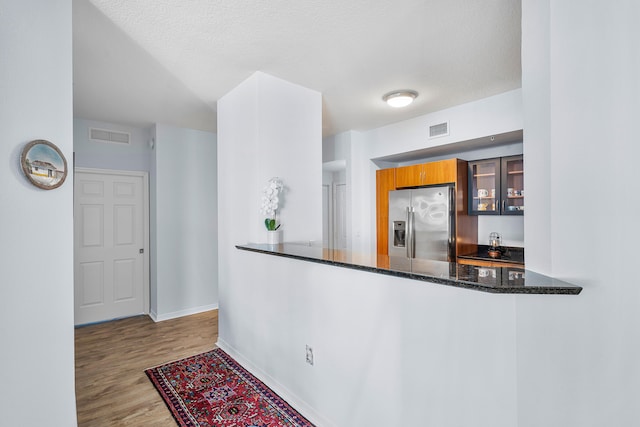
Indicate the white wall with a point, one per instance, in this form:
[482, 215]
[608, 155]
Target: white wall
[153, 227]
[494, 115]
[490, 116]
[135, 156]
[184, 222]
[400, 352]
[36, 289]
[536, 107]
[342, 147]
[527, 360]
[266, 127]
[273, 128]
[578, 357]
[468, 358]
[387, 351]
[510, 227]
[361, 179]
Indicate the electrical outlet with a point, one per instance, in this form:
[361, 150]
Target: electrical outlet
[309, 355]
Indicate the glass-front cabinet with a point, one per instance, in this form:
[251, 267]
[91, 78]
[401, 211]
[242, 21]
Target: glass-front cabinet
[512, 185]
[496, 186]
[484, 187]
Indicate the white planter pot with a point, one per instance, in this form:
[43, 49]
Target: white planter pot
[274, 237]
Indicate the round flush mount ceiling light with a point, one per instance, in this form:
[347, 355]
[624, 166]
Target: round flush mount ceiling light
[400, 98]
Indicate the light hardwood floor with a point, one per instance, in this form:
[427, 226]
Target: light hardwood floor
[111, 386]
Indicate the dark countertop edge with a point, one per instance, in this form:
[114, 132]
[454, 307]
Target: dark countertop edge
[536, 290]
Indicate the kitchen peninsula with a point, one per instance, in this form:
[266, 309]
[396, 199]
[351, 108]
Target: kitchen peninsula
[503, 280]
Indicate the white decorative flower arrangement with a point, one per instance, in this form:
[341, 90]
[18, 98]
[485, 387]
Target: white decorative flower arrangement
[270, 201]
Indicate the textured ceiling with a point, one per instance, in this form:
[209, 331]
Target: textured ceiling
[169, 61]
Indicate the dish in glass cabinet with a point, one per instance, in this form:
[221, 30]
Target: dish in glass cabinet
[487, 272]
[516, 275]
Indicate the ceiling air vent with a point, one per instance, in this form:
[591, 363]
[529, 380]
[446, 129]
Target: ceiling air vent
[103, 135]
[441, 129]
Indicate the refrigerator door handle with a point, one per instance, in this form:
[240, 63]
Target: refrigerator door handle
[411, 241]
[409, 233]
[452, 225]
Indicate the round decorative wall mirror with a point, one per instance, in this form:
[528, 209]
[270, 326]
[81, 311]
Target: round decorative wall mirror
[44, 164]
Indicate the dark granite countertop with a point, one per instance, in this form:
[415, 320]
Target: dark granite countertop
[503, 280]
[510, 254]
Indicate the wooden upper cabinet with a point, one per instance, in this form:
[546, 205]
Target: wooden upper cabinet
[409, 176]
[434, 173]
[441, 172]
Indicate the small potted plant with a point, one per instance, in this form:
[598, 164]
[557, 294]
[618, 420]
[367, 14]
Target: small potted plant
[269, 208]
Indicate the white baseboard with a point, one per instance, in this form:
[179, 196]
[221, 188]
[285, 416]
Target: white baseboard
[181, 313]
[298, 404]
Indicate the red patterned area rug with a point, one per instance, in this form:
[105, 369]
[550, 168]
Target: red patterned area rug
[213, 390]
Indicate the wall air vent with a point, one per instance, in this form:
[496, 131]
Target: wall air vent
[441, 129]
[103, 135]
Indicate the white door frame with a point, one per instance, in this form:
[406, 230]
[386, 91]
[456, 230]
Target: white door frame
[335, 214]
[329, 212]
[145, 220]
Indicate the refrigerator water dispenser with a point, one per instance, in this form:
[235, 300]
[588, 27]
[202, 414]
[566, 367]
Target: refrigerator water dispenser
[399, 235]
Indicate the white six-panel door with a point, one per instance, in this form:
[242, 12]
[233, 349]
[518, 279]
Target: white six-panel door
[109, 245]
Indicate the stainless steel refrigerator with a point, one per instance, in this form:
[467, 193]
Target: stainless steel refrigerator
[421, 226]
